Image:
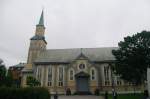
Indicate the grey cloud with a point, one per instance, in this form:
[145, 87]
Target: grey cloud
[69, 23]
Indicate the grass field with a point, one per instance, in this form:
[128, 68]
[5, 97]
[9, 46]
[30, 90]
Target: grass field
[127, 96]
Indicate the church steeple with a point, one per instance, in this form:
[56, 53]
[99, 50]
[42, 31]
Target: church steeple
[38, 42]
[40, 28]
[41, 21]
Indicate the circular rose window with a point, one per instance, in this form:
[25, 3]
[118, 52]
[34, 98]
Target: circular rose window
[82, 66]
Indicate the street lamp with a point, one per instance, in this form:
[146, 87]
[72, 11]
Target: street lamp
[114, 94]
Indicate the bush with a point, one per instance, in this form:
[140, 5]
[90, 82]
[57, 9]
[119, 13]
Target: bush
[68, 91]
[96, 92]
[31, 81]
[24, 93]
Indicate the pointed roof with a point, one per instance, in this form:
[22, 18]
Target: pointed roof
[41, 21]
[82, 56]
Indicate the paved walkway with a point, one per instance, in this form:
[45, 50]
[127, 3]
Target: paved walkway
[78, 97]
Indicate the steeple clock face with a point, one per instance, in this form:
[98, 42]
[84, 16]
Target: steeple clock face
[82, 66]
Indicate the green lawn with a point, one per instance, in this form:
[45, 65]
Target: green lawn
[128, 96]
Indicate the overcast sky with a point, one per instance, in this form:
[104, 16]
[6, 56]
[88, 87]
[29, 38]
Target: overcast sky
[69, 24]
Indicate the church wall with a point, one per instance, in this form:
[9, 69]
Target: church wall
[93, 84]
[55, 87]
[23, 80]
[120, 85]
[106, 80]
[102, 73]
[99, 81]
[36, 46]
[71, 83]
[45, 76]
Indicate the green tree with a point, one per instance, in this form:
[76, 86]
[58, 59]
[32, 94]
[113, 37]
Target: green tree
[31, 81]
[9, 82]
[2, 73]
[133, 57]
[5, 76]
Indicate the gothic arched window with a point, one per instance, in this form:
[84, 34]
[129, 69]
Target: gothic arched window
[106, 75]
[93, 74]
[60, 76]
[71, 74]
[49, 76]
[39, 73]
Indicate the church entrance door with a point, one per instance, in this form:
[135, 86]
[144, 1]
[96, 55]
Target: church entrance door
[82, 83]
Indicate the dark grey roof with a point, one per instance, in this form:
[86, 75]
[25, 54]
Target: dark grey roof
[68, 55]
[19, 65]
[38, 37]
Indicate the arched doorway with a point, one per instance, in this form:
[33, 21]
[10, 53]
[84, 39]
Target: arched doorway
[82, 83]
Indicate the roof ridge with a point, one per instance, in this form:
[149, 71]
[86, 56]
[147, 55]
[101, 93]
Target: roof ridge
[80, 48]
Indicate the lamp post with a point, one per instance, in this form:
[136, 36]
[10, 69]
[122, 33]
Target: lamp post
[114, 95]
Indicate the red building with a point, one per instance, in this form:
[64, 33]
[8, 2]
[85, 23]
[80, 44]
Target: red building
[15, 72]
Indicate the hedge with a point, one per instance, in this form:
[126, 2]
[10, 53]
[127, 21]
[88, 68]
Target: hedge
[24, 93]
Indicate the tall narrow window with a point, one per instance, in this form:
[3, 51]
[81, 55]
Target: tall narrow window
[49, 76]
[106, 74]
[39, 73]
[93, 74]
[71, 74]
[118, 81]
[60, 76]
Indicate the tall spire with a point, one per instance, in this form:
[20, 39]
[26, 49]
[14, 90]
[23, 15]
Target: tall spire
[40, 28]
[41, 21]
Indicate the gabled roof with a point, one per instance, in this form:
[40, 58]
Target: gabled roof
[82, 56]
[69, 55]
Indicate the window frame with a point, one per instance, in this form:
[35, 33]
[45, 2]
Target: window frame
[93, 74]
[49, 81]
[60, 80]
[71, 74]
